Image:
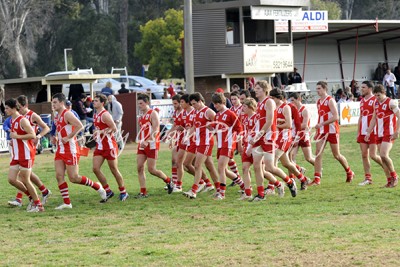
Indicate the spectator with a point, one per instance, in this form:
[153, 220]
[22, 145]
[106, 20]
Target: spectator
[235, 88]
[107, 90]
[166, 95]
[171, 90]
[116, 111]
[343, 98]
[276, 81]
[284, 79]
[89, 114]
[295, 77]
[123, 90]
[75, 91]
[379, 73]
[388, 82]
[355, 89]
[338, 94]
[350, 98]
[80, 109]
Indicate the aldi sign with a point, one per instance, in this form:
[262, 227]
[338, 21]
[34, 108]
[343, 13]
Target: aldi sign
[308, 21]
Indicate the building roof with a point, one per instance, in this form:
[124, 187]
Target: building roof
[346, 30]
[240, 3]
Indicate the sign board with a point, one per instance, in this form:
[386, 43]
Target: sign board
[349, 113]
[308, 21]
[268, 58]
[272, 13]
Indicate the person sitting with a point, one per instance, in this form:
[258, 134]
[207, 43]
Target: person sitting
[295, 77]
[123, 90]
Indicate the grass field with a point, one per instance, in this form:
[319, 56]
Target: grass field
[335, 224]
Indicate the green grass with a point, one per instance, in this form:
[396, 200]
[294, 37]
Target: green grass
[335, 224]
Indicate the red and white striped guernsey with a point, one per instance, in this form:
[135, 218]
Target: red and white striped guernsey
[283, 134]
[296, 121]
[21, 149]
[63, 130]
[248, 124]
[301, 118]
[385, 118]
[270, 134]
[29, 116]
[103, 141]
[324, 114]
[178, 121]
[228, 127]
[188, 120]
[366, 112]
[204, 137]
[145, 130]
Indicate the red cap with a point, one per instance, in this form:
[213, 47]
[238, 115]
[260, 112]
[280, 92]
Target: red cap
[89, 99]
[157, 109]
[219, 90]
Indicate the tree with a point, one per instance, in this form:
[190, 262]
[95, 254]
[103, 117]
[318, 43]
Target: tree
[21, 22]
[333, 8]
[161, 46]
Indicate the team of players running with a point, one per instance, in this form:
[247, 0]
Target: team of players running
[264, 133]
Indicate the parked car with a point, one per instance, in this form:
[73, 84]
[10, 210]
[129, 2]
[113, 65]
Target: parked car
[141, 85]
[97, 85]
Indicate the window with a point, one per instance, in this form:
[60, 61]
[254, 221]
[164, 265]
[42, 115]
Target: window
[232, 26]
[257, 31]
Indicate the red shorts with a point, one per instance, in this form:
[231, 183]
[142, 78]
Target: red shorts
[71, 159]
[182, 145]
[205, 150]
[227, 152]
[191, 148]
[372, 139]
[108, 154]
[302, 140]
[27, 164]
[331, 138]
[386, 138]
[246, 158]
[284, 145]
[268, 147]
[149, 153]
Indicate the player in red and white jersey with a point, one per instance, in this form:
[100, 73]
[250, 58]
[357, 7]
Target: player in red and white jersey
[327, 130]
[204, 142]
[35, 121]
[368, 149]
[148, 145]
[227, 127]
[263, 142]
[187, 147]
[302, 138]
[386, 118]
[249, 122]
[237, 108]
[22, 154]
[284, 144]
[174, 137]
[68, 151]
[106, 148]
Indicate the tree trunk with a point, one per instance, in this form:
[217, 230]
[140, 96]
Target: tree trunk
[123, 32]
[19, 59]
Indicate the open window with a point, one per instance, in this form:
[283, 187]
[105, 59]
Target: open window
[232, 26]
[257, 31]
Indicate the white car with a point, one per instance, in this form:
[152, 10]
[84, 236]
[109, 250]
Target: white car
[141, 85]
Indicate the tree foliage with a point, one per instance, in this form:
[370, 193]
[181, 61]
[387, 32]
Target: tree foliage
[333, 8]
[160, 46]
[117, 33]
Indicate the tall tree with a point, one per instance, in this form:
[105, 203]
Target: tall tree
[333, 8]
[161, 46]
[123, 28]
[20, 23]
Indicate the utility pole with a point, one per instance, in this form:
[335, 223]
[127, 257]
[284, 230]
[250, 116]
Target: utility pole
[189, 69]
